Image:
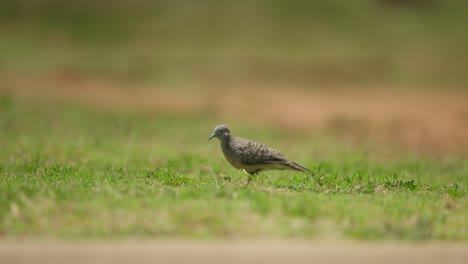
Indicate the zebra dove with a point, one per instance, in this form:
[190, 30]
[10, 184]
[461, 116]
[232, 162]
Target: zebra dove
[250, 156]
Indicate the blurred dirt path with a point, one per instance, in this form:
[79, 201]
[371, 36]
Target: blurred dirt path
[434, 122]
[228, 252]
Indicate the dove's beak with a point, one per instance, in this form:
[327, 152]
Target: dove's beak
[212, 136]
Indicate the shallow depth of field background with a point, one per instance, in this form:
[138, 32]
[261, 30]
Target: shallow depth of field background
[106, 107]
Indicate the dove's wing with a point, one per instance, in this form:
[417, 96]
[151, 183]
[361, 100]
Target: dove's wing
[254, 153]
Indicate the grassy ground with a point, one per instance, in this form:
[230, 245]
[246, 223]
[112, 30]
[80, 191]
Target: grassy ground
[72, 172]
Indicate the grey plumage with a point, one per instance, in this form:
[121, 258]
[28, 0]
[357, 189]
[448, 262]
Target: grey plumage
[251, 156]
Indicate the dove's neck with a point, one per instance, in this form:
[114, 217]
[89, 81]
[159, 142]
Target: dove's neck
[226, 141]
[227, 146]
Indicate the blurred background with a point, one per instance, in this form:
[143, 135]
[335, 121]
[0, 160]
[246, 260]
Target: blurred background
[398, 66]
[201, 43]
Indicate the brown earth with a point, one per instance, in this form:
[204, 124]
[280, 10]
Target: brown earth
[228, 252]
[431, 122]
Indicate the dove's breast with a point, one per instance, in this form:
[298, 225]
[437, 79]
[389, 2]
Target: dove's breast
[232, 155]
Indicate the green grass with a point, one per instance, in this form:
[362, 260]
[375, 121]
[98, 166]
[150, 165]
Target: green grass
[70, 172]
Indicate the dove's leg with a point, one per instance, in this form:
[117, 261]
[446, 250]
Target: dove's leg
[251, 174]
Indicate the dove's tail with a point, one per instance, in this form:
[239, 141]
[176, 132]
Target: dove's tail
[298, 167]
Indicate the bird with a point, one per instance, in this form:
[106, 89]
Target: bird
[250, 156]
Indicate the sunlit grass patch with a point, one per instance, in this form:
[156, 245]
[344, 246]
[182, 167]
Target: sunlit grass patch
[66, 171]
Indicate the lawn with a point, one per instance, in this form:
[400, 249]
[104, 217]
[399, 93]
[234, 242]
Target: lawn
[69, 171]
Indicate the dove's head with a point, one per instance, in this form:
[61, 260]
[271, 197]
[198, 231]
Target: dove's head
[221, 132]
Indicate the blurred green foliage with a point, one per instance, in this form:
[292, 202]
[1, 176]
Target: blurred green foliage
[308, 43]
